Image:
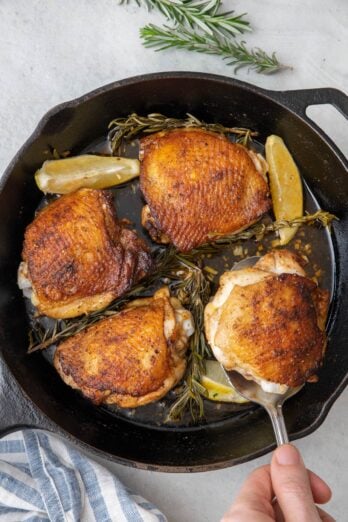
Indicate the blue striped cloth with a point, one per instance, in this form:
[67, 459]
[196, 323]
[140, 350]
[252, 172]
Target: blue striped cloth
[44, 479]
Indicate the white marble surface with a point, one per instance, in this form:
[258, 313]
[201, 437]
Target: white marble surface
[53, 51]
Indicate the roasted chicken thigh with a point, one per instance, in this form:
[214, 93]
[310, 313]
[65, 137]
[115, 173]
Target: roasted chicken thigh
[132, 358]
[197, 183]
[77, 257]
[268, 322]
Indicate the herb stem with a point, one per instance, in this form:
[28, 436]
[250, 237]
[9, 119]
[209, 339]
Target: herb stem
[199, 14]
[131, 126]
[234, 53]
[260, 230]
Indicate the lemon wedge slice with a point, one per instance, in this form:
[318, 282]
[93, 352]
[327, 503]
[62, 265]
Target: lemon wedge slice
[69, 174]
[285, 184]
[217, 385]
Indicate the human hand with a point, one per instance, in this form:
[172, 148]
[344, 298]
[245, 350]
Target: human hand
[282, 492]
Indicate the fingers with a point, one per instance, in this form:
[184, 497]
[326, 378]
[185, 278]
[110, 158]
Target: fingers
[254, 498]
[292, 486]
[323, 516]
[320, 490]
[296, 490]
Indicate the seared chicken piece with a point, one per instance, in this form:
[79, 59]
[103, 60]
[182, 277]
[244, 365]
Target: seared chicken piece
[132, 358]
[77, 258]
[197, 183]
[268, 322]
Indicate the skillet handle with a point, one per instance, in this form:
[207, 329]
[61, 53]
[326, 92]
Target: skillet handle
[16, 411]
[299, 100]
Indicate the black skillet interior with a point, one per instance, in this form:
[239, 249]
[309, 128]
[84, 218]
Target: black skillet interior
[73, 126]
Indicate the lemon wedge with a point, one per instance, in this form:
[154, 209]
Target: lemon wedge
[285, 184]
[217, 385]
[69, 174]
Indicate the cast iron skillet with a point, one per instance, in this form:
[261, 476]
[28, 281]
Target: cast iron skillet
[33, 394]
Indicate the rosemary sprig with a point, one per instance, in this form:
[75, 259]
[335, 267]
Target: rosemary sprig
[191, 395]
[235, 54]
[198, 14]
[245, 140]
[131, 126]
[201, 27]
[260, 230]
[194, 292]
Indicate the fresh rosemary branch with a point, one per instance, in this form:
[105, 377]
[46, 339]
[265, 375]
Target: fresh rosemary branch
[197, 14]
[234, 53]
[133, 125]
[260, 230]
[194, 292]
[191, 394]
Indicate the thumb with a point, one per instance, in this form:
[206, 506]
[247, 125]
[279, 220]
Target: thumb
[291, 485]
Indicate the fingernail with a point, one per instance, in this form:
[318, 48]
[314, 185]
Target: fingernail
[287, 455]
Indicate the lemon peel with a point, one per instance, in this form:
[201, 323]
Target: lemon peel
[285, 185]
[217, 385]
[63, 176]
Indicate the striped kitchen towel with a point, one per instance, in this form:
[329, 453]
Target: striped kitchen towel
[44, 479]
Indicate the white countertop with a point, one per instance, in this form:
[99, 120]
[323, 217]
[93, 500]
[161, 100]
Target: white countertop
[53, 51]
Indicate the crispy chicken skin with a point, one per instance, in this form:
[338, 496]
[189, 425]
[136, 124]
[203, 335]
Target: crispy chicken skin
[268, 322]
[77, 258]
[132, 358]
[198, 183]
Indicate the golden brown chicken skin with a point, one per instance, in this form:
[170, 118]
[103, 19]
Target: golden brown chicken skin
[268, 322]
[197, 183]
[77, 257]
[132, 358]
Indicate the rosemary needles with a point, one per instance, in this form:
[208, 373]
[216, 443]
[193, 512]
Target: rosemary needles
[234, 53]
[133, 125]
[201, 26]
[198, 14]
